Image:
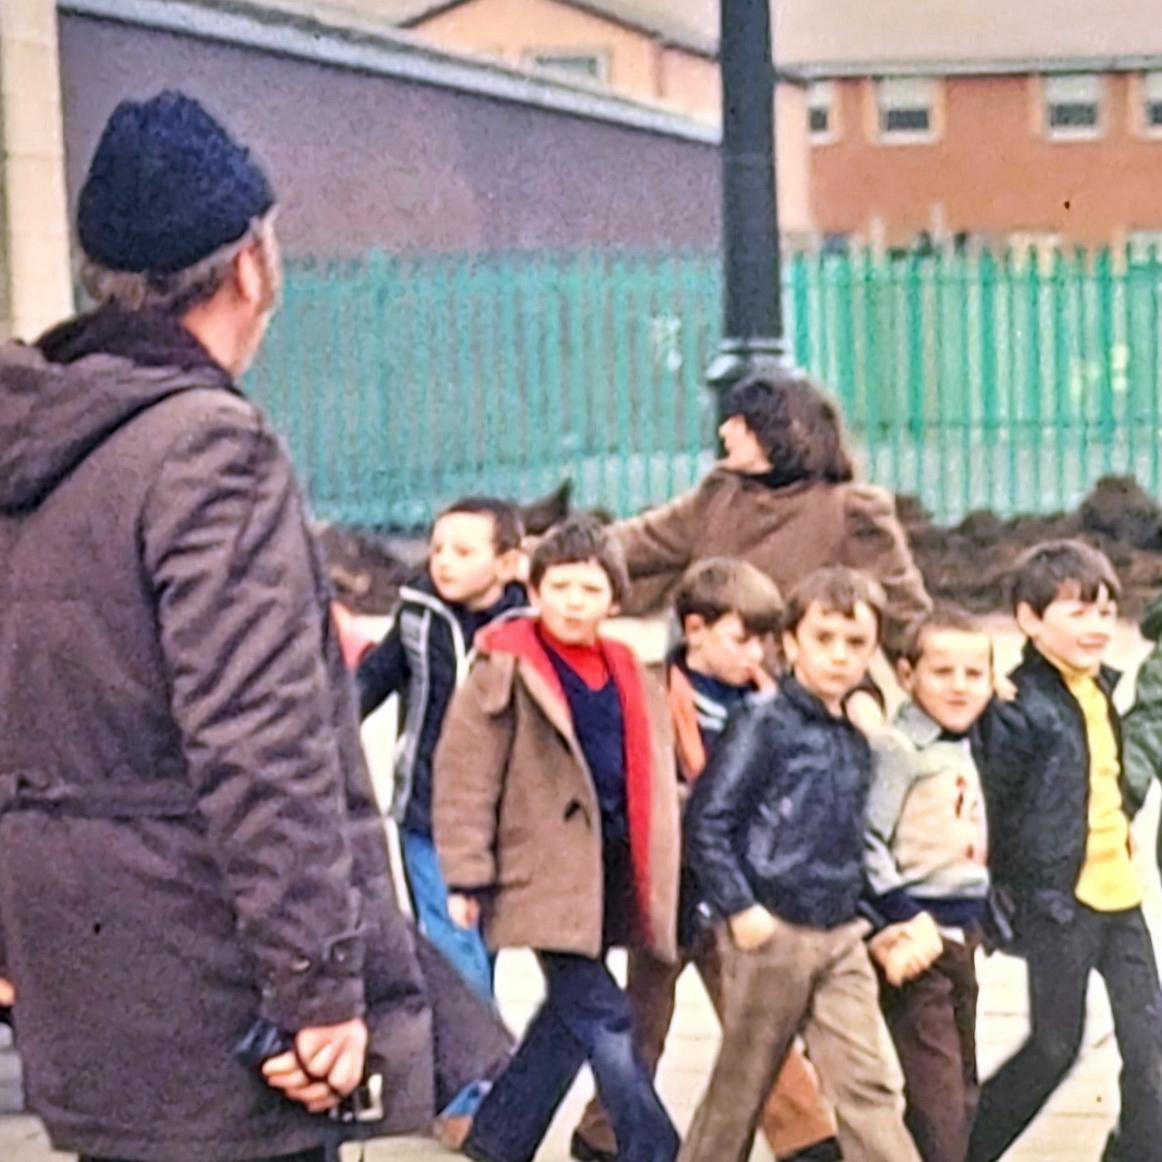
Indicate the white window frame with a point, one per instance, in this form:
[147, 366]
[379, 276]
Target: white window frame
[823, 95]
[901, 94]
[1074, 89]
[541, 60]
[1151, 95]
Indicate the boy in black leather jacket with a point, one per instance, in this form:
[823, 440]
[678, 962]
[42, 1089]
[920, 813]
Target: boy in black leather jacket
[775, 838]
[1060, 850]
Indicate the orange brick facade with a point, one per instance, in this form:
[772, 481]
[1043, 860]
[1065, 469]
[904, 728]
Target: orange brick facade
[993, 171]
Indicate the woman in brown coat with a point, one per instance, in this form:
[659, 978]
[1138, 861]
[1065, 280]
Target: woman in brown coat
[783, 498]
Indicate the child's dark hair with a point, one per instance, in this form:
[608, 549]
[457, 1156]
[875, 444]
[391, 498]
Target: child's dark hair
[944, 615]
[797, 425]
[719, 586]
[578, 539]
[507, 528]
[836, 589]
[1045, 571]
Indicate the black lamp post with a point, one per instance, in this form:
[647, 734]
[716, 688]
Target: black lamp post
[753, 335]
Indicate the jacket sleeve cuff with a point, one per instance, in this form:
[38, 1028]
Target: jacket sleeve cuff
[317, 991]
[733, 900]
[896, 907]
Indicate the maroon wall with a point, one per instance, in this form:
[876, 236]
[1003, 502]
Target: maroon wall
[364, 161]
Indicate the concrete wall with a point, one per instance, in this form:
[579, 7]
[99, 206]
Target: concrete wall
[363, 160]
[639, 66]
[35, 287]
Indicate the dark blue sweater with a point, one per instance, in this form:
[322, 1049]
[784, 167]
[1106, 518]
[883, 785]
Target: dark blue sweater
[600, 729]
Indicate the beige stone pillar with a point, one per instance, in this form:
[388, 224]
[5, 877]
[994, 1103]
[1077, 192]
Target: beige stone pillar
[35, 280]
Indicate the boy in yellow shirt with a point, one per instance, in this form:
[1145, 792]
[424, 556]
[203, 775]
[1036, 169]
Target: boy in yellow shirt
[1060, 851]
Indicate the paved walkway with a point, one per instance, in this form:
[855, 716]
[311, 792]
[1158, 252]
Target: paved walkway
[1072, 1128]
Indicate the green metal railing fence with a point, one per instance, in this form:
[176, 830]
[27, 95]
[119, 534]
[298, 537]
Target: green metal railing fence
[972, 381]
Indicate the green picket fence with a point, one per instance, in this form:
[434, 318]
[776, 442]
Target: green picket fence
[972, 382]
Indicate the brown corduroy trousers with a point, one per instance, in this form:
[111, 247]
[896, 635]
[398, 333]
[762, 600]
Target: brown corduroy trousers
[820, 983]
[795, 1115]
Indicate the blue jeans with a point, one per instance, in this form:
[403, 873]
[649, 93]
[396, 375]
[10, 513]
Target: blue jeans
[585, 1017]
[463, 947]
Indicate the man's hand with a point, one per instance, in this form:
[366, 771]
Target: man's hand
[464, 910]
[327, 1064]
[753, 928]
[7, 992]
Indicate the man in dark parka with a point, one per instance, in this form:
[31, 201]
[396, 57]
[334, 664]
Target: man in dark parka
[188, 837]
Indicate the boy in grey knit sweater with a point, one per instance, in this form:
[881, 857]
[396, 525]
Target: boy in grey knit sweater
[925, 866]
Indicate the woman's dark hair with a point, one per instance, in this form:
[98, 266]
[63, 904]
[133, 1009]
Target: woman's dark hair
[798, 426]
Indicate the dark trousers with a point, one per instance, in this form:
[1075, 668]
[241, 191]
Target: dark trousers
[932, 1020]
[1060, 958]
[585, 1017]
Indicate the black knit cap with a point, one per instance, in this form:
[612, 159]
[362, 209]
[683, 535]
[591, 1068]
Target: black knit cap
[167, 187]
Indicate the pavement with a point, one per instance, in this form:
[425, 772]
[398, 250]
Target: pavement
[1072, 1128]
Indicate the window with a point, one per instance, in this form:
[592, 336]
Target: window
[1152, 107]
[907, 109]
[589, 66]
[1073, 106]
[821, 118]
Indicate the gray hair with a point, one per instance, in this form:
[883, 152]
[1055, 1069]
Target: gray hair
[180, 291]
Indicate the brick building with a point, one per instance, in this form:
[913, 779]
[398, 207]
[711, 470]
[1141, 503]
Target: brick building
[1030, 124]
[931, 120]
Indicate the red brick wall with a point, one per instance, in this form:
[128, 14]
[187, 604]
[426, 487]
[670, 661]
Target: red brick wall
[993, 169]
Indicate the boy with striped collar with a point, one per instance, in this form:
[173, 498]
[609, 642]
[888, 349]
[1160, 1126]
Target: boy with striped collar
[470, 582]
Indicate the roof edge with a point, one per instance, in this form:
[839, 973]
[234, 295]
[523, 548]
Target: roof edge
[1014, 66]
[696, 45]
[248, 25]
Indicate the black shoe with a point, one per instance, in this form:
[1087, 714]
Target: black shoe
[826, 1151]
[583, 1152]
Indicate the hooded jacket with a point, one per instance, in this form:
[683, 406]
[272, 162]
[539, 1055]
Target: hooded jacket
[188, 837]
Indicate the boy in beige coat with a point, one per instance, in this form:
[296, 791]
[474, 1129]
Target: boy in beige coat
[556, 821]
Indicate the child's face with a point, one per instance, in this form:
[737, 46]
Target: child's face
[464, 564]
[724, 649]
[829, 651]
[573, 600]
[1072, 632]
[952, 681]
[744, 453]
